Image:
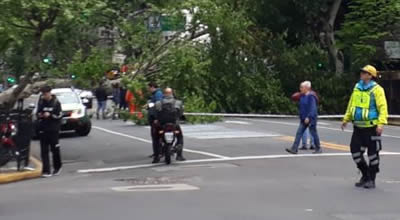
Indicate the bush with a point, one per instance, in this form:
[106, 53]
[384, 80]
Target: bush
[197, 104]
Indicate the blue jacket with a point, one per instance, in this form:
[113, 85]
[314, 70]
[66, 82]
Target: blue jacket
[308, 107]
[156, 96]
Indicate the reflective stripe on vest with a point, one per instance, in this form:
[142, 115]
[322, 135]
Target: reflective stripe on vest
[362, 100]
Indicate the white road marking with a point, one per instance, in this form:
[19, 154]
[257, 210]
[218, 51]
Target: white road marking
[155, 188]
[110, 169]
[149, 142]
[328, 128]
[208, 132]
[228, 135]
[237, 122]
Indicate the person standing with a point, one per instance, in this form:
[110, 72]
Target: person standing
[122, 94]
[49, 114]
[368, 111]
[101, 96]
[156, 96]
[308, 118]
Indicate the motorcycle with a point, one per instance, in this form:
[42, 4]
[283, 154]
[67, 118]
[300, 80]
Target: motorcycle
[168, 135]
[8, 146]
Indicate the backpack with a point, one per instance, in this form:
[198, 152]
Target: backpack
[168, 113]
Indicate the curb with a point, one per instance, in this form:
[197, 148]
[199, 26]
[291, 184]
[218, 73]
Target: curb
[18, 176]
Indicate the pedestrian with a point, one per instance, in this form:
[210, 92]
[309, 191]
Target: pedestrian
[368, 111]
[308, 113]
[49, 114]
[101, 96]
[116, 94]
[122, 94]
[156, 96]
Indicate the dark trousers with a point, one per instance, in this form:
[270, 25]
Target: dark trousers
[154, 128]
[49, 142]
[363, 139]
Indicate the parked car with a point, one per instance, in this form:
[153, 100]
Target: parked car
[75, 117]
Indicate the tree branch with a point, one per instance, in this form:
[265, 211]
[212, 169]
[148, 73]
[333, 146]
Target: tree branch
[333, 12]
[20, 26]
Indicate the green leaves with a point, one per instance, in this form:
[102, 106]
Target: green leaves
[368, 22]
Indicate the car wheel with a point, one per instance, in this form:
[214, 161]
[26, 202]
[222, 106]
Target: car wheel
[85, 129]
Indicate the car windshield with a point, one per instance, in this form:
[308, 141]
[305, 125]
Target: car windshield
[68, 98]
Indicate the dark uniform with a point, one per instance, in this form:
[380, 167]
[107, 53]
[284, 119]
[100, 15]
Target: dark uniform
[49, 129]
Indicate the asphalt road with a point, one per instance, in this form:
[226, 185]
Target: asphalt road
[236, 169]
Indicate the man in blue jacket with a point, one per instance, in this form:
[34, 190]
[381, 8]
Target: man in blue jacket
[308, 118]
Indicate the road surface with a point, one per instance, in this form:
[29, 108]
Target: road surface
[236, 169]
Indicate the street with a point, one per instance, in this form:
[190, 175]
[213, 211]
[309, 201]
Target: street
[236, 169]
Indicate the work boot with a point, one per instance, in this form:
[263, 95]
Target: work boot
[156, 160]
[364, 179]
[289, 150]
[370, 184]
[179, 156]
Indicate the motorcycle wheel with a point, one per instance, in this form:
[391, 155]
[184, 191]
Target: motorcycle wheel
[167, 154]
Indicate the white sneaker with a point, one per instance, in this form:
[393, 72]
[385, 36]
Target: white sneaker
[46, 175]
[57, 172]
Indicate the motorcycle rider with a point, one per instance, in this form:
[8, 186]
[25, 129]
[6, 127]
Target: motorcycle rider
[156, 95]
[49, 114]
[169, 110]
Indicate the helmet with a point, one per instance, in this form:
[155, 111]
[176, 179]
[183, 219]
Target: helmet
[371, 70]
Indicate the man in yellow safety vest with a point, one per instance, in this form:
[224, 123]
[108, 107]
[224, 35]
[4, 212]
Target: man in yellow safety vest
[368, 111]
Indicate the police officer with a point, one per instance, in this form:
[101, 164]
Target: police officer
[156, 95]
[367, 109]
[169, 110]
[49, 114]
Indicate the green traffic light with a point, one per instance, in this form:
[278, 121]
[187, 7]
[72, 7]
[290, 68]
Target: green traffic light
[10, 80]
[73, 77]
[47, 60]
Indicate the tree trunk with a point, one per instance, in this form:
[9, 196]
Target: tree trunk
[328, 38]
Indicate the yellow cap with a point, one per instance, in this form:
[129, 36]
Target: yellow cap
[371, 70]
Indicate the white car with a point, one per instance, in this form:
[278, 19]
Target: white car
[75, 117]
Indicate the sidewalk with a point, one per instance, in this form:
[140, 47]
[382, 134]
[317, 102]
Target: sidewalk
[8, 175]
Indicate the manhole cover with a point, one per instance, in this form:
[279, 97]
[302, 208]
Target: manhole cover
[196, 166]
[153, 180]
[155, 188]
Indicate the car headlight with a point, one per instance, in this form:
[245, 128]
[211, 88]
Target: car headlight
[78, 113]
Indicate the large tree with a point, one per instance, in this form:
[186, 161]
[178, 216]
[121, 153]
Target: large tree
[28, 22]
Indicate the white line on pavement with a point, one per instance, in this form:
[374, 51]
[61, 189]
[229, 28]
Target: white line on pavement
[110, 169]
[328, 128]
[237, 122]
[149, 142]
